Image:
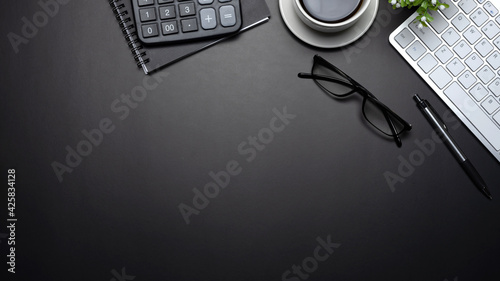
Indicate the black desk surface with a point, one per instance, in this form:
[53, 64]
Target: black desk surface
[310, 200]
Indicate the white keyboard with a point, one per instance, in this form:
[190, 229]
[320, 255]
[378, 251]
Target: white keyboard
[458, 55]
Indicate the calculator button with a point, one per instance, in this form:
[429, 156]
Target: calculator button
[227, 15]
[205, 2]
[169, 27]
[224, 1]
[145, 2]
[147, 14]
[167, 12]
[189, 25]
[187, 9]
[208, 19]
[150, 30]
[165, 1]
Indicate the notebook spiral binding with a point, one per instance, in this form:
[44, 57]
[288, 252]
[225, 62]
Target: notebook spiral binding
[130, 33]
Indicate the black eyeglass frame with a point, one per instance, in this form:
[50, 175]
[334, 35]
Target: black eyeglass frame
[357, 88]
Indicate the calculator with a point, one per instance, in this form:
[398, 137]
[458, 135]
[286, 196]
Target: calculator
[169, 21]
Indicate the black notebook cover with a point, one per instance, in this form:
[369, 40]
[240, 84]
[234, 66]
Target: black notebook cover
[151, 58]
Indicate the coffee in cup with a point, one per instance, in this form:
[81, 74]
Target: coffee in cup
[331, 11]
[330, 15]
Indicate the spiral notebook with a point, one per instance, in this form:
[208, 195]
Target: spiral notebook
[151, 58]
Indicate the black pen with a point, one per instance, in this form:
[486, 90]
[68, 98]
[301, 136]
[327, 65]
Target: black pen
[443, 133]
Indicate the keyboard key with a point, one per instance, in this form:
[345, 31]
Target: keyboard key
[427, 36]
[485, 74]
[404, 38]
[494, 60]
[490, 9]
[495, 87]
[439, 23]
[483, 47]
[451, 10]
[462, 49]
[467, 5]
[205, 2]
[474, 62]
[496, 117]
[427, 63]
[491, 29]
[497, 42]
[467, 79]
[460, 22]
[478, 92]
[490, 105]
[472, 34]
[207, 17]
[474, 114]
[450, 36]
[444, 54]
[440, 77]
[479, 17]
[455, 66]
[416, 50]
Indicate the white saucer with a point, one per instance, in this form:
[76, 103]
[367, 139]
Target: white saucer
[326, 40]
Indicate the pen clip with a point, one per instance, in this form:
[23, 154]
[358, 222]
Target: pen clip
[436, 115]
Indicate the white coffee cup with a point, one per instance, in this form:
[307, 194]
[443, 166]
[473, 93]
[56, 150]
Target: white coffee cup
[330, 27]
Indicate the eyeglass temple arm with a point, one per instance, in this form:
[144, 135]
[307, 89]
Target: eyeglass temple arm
[327, 78]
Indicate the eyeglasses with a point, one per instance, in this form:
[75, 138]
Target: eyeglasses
[339, 85]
